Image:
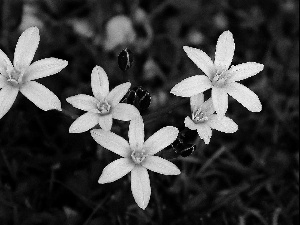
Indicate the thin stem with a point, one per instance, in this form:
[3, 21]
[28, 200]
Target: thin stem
[165, 111]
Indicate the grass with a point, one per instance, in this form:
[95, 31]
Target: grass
[48, 176]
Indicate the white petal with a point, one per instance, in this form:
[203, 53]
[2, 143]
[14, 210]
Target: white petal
[83, 102]
[112, 142]
[116, 94]
[201, 59]
[116, 170]
[3, 81]
[223, 124]
[192, 86]
[41, 96]
[244, 71]
[140, 186]
[5, 63]
[26, 48]
[8, 95]
[106, 122]
[189, 123]
[224, 51]
[208, 107]
[196, 101]
[204, 132]
[99, 83]
[84, 123]
[44, 68]
[244, 96]
[160, 140]
[220, 100]
[125, 112]
[160, 165]
[136, 133]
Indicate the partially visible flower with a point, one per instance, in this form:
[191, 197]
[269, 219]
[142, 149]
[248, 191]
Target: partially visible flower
[221, 21]
[104, 106]
[30, 17]
[82, 27]
[195, 37]
[119, 31]
[220, 77]
[20, 75]
[204, 119]
[138, 156]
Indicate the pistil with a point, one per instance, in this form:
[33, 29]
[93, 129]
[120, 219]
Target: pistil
[138, 156]
[104, 108]
[199, 116]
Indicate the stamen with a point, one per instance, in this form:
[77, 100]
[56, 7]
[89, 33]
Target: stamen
[199, 116]
[138, 156]
[104, 108]
[15, 77]
[220, 79]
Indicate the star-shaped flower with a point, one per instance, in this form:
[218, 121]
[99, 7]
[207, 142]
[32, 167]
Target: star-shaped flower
[138, 156]
[102, 108]
[20, 75]
[204, 119]
[220, 77]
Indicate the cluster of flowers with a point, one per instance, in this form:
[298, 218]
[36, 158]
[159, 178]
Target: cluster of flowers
[138, 155]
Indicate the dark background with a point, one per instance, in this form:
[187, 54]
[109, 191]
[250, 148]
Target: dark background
[48, 176]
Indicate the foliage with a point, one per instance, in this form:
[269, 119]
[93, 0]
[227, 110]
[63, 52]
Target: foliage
[48, 176]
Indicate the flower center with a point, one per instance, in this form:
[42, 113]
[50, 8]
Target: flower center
[199, 116]
[15, 77]
[220, 78]
[104, 107]
[138, 156]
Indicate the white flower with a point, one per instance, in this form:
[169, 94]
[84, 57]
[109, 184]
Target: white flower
[119, 31]
[138, 156]
[220, 77]
[102, 108]
[20, 75]
[204, 119]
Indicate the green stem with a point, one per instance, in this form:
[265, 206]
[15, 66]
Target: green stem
[165, 111]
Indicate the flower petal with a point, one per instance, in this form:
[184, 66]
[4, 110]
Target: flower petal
[196, 101]
[5, 63]
[136, 133]
[189, 123]
[116, 170]
[201, 59]
[220, 100]
[204, 132]
[26, 48]
[116, 94]
[8, 95]
[106, 122]
[208, 107]
[3, 81]
[244, 71]
[112, 142]
[41, 96]
[99, 83]
[44, 68]
[244, 96]
[140, 186]
[83, 102]
[192, 86]
[160, 140]
[160, 165]
[224, 51]
[125, 112]
[222, 124]
[84, 123]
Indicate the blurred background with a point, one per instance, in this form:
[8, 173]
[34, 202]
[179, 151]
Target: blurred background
[49, 177]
